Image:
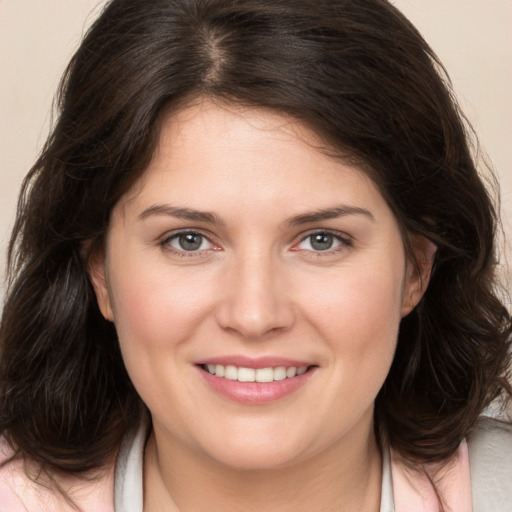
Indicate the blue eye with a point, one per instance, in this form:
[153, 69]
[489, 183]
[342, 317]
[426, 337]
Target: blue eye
[321, 241]
[189, 241]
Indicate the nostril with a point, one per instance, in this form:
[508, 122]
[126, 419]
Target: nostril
[254, 321]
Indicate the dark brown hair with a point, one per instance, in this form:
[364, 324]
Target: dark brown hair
[356, 72]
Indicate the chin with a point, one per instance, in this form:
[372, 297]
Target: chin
[257, 459]
[258, 450]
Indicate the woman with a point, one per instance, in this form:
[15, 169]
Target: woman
[253, 269]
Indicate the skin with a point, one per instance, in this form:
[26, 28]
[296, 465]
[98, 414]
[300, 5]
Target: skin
[257, 286]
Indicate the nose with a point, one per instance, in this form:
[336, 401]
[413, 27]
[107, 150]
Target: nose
[255, 298]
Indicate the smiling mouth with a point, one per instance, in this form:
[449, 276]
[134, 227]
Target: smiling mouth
[261, 375]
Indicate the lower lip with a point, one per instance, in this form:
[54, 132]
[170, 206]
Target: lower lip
[256, 393]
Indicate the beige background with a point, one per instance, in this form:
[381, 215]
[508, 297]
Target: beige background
[37, 37]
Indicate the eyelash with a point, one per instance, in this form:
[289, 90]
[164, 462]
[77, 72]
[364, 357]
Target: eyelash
[165, 243]
[344, 242]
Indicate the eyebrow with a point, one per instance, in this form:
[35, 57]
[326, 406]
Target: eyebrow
[212, 218]
[182, 213]
[329, 213]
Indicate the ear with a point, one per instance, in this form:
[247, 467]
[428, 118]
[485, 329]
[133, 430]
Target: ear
[418, 272]
[97, 270]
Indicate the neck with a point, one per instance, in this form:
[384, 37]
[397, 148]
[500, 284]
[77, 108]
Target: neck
[345, 478]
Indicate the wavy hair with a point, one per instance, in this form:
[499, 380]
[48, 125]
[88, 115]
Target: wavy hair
[357, 73]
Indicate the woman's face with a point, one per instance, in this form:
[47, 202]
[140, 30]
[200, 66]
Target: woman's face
[243, 251]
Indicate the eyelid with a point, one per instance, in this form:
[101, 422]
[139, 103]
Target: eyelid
[165, 239]
[346, 241]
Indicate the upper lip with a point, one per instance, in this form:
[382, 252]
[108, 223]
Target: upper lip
[254, 362]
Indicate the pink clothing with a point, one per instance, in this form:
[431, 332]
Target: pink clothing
[412, 492]
[18, 493]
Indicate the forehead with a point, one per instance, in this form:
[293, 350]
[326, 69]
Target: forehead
[246, 155]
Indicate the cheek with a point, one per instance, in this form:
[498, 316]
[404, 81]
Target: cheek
[155, 307]
[358, 301]
[157, 312]
[358, 313]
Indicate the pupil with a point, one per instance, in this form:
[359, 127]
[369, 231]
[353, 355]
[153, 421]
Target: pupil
[190, 241]
[322, 241]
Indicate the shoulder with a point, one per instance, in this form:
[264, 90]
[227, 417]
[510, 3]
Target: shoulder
[19, 493]
[490, 458]
[9, 486]
[418, 489]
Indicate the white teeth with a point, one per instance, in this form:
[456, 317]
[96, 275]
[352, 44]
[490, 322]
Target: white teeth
[291, 372]
[246, 374]
[280, 373]
[251, 375]
[264, 375]
[231, 373]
